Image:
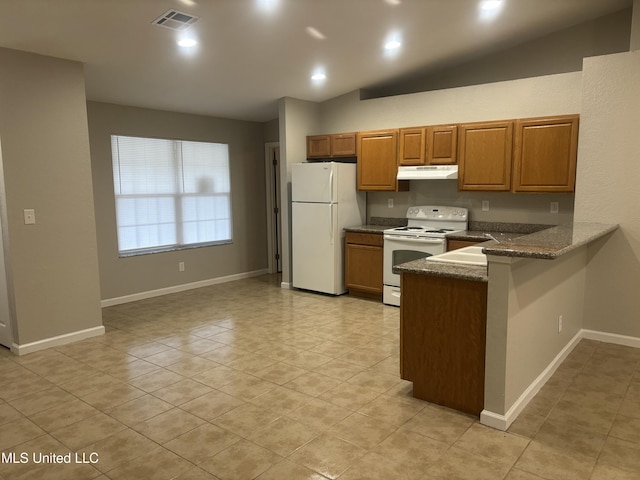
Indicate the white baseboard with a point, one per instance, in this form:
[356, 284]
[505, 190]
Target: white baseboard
[286, 285]
[611, 338]
[56, 341]
[502, 422]
[180, 288]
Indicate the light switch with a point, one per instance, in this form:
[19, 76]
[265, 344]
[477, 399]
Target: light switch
[29, 216]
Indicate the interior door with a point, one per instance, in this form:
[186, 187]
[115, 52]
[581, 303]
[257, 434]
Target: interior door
[273, 209]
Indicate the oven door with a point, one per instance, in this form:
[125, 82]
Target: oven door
[400, 249]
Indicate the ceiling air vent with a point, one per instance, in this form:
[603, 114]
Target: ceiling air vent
[175, 20]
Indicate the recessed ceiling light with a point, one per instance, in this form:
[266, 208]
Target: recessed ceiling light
[267, 5]
[489, 9]
[187, 42]
[319, 76]
[490, 4]
[392, 44]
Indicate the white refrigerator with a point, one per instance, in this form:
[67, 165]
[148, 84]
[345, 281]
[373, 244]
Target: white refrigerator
[325, 201]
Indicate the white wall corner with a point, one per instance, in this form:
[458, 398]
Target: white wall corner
[502, 422]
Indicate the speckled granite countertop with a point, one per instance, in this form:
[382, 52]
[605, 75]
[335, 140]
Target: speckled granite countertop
[378, 225]
[498, 230]
[552, 242]
[423, 266]
[367, 229]
[549, 243]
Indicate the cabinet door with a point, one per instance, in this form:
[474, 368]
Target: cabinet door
[363, 268]
[412, 146]
[377, 161]
[343, 145]
[442, 145]
[545, 154]
[319, 146]
[485, 156]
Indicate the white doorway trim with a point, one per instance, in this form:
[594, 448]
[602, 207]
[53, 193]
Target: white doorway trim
[274, 244]
[7, 307]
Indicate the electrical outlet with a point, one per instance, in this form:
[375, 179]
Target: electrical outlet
[29, 216]
[390, 203]
[560, 324]
[485, 205]
[181, 266]
[555, 207]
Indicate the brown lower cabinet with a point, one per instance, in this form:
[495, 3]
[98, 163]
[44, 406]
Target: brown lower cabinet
[363, 264]
[443, 338]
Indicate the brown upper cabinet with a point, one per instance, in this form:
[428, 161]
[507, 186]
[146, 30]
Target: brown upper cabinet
[545, 154]
[485, 156]
[412, 146]
[442, 145]
[435, 145]
[329, 146]
[378, 161]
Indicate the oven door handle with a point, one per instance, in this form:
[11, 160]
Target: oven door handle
[433, 241]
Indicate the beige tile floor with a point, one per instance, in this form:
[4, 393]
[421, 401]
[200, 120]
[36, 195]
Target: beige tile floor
[246, 380]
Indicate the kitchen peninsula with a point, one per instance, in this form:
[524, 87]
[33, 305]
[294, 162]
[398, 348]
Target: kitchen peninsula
[485, 339]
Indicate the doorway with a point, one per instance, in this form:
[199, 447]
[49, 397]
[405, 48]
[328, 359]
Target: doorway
[6, 332]
[274, 222]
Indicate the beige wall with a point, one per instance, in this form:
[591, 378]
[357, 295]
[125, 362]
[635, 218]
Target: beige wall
[526, 297]
[530, 97]
[607, 189]
[121, 277]
[45, 151]
[298, 119]
[272, 131]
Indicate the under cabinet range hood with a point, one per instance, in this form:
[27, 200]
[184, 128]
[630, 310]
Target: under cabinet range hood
[428, 172]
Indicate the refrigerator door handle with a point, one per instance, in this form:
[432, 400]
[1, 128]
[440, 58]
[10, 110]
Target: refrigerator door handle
[331, 229]
[331, 186]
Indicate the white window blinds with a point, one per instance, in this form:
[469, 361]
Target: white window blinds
[170, 194]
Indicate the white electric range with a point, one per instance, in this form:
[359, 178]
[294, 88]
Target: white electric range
[423, 236]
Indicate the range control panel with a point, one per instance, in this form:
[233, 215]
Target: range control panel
[434, 212]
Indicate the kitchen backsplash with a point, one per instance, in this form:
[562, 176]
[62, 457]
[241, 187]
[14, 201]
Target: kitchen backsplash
[503, 206]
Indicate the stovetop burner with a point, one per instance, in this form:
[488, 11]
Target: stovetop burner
[423, 229]
[432, 221]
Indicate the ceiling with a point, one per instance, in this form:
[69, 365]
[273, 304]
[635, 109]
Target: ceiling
[250, 53]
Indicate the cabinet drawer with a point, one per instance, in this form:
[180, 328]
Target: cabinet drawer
[372, 239]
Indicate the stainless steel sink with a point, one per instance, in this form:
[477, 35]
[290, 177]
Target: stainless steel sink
[466, 256]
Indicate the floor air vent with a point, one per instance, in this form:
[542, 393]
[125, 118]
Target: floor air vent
[175, 20]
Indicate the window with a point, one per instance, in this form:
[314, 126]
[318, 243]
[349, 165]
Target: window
[170, 194]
